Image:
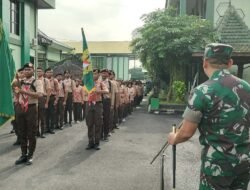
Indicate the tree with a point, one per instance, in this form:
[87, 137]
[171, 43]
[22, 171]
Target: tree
[165, 42]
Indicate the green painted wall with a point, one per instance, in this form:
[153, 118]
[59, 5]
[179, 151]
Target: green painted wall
[4, 15]
[53, 55]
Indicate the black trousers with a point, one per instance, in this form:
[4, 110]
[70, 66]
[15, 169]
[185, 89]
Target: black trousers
[94, 121]
[106, 116]
[50, 114]
[77, 110]
[68, 108]
[27, 121]
[41, 114]
[59, 112]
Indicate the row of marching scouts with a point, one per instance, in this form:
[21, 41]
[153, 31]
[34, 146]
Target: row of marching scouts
[54, 101]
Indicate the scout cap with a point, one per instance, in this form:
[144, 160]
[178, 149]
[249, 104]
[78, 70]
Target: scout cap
[95, 70]
[58, 74]
[104, 70]
[218, 51]
[48, 69]
[20, 70]
[28, 65]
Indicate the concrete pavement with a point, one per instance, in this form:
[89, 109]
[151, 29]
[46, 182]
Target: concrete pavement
[62, 163]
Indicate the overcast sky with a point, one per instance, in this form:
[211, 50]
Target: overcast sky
[102, 20]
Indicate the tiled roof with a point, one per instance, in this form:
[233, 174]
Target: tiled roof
[233, 30]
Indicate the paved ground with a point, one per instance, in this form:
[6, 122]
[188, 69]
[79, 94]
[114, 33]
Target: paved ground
[62, 163]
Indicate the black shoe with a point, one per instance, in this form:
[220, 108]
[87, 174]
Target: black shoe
[61, 128]
[42, 136]
[106, 139]
[17, 143]
[21, 160]
[90, 146]
[51, 132]
[29, 161]
[96, 147]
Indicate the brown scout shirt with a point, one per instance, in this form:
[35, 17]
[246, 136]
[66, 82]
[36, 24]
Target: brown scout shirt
[38, 87]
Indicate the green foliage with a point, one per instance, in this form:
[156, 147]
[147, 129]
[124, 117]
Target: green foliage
[179, 91]
[166, 40]
[1, 30]
[163, 94]
[136, 74]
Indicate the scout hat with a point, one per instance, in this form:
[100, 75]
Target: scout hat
[95, 70]
[218, 51]
[28, 65]
[104, 70]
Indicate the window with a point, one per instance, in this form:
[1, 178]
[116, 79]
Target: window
[14, 17]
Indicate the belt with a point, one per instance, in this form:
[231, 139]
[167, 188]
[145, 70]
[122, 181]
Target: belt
[93, 103]
[31, 105]
[106, 98]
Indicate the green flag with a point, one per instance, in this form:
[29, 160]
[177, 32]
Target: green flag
[7, 73]
[88, 78]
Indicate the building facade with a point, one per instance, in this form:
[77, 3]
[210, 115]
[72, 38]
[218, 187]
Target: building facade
[113, 55]
[20, 22]
[231, 19]
[212, 10]
[27, 43]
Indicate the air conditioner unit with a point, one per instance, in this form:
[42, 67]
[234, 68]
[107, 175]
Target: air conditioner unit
[34, 42]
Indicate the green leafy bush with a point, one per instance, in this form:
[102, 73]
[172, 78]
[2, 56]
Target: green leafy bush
[179, 90]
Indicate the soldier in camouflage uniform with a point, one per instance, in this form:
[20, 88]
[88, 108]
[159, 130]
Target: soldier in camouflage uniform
[220, 109]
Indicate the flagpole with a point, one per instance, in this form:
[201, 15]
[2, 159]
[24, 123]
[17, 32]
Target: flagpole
[174, 159]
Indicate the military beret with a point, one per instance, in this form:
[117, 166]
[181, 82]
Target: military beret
[218, 51]
[28, 65]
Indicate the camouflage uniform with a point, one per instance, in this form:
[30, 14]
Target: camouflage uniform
[221, 106]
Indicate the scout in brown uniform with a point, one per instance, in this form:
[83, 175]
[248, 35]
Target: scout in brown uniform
[69, 86]
[131, 92]
[126, 101]
[85, 101]
[94, 112]
[121, 102]
[77, 101]
[43, 101]
[114, 91]
[106, 101]
[16, 83]
[51, 112]
[29, 92]
[140, 91]
[61, 103]
[117, 100]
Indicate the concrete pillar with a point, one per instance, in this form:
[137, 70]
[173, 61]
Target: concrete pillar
[25, 34]
[183, 7]
[210, 10]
